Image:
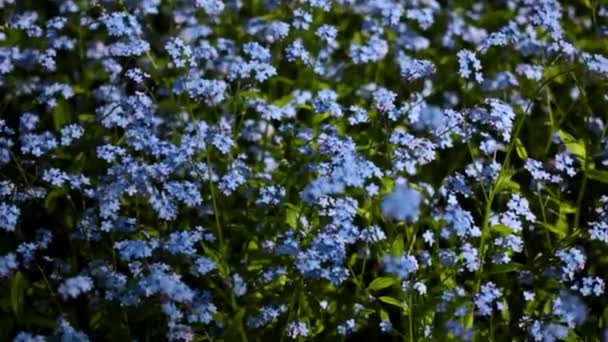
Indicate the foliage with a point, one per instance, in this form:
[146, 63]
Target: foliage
[303, 170]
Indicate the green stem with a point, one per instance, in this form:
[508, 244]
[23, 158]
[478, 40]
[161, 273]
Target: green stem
[154, 66]
[223, 251]
[411, 318]
[542, 209]
[495, 188]
[214, 201]
[581, 194]
[240, 325]
[49, 287]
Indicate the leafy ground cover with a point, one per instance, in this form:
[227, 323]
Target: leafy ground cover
[311, 170]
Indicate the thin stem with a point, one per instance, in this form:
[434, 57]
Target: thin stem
[542, 210]
[364, 265]
[154, 66]
[411, 318]
[49, 287]
[488, 208]
[213, 200]
[240, 325]
[223, 251]
[581, 194]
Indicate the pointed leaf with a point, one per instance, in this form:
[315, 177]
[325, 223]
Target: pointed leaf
[521, 149]
[393, 301]
[381, 283]
[18, 287]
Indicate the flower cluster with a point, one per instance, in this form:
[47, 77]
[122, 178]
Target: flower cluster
[214, 170]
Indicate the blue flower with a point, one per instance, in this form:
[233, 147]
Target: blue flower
[469, 66]
[384, 100]
[470, 255]
[211, 7]
[8, 264]
[570, 309]
[375, 50]
[26, 21]
[70, 133]
[386, 326]
[182, 242]
[327, 34]
[75, 286]
[296, 50]
[268, 314]
[202, 266]
[591, 285]
[297, 329]
[9, 216]
[213, 92]
[203, 309]
[238, 285]
[161, 280]
[181, 54]
[573, 260]
[38, 144]
[134, 249]
[413, 69]
[67, 333]
[129, 47]
[402, 266]
[257, 52]
[548, 332]
[121, 24]
[28, 122]
[485, 299]
[301, 19]
[27, 337]
[347, 327]
[326, 101]
[402, 204]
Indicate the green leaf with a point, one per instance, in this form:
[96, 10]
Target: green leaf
[96, 320]
[291, 215]
[353, 259]
[513, 186]
[319, 328]
[304, 106]
[504, 180]
[577, 147]
[318, 118]
[283, 79]
[18, 287]
[381, 283]
[215, 255]
[559, 228]
[78, 89]
[566, 208]
[62, 115]
[501, 229]
[252, 245]
[252, 94]
[505, 268]
[384, 315]
[39, 321]
[398, 247]
[50, 202]
[393, 301]
[86, 118]
[588, 4]
[283, 101]
[521, 149]
[598, 175]
[573, 337]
